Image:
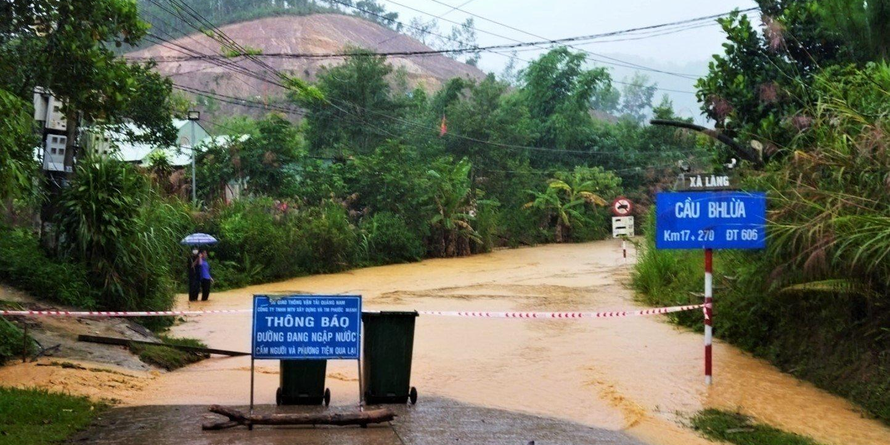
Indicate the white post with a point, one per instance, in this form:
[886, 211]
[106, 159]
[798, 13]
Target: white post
[709, 314]
[194, 181]
[624, 249]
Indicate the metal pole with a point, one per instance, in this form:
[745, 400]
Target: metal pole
[194, 181]
[25, 344]
[361, 398]
[361, 388]
[709, 315]
[250, 427]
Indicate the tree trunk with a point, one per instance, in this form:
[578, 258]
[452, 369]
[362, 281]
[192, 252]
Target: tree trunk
[236, 418]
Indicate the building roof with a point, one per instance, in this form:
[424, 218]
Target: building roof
[138, 152]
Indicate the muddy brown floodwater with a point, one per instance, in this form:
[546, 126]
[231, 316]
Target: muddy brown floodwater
[641, 375]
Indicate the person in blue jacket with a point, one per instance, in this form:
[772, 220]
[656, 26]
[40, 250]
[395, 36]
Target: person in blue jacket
[204, 274]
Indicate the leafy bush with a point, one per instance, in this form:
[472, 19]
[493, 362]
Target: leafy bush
[255, 242]
[116, 224]
[390, 241]
[11, 341]
[24, 265]
[326, 241]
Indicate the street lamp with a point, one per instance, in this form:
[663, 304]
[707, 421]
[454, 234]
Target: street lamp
[194, 116]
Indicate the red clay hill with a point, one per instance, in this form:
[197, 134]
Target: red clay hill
[319, 33]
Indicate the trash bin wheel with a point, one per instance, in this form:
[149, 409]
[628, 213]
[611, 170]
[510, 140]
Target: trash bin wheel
[412, 395]
[278, 396]
[327, 396]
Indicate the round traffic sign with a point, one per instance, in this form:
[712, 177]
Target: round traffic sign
[622, 206]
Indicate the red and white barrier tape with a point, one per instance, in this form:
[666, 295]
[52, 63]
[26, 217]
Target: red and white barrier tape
[121, 314]
[564, 315]
[525, 315]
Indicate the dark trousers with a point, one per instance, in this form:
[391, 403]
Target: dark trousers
[205, 290]
[194, 289]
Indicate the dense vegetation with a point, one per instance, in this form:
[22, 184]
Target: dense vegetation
[815, 302]
[375, 173]
[378, 173]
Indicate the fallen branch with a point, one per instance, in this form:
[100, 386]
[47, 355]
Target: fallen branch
[237, 418]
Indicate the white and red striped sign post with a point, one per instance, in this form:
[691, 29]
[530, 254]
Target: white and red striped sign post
[709, 220]
[709, 314]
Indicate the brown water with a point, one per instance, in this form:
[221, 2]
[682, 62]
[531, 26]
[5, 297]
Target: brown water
[638, 374]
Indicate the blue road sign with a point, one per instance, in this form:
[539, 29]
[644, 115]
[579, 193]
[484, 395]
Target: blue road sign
[306, 327]
[710, 220]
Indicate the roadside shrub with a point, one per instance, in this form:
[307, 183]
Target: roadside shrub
[255, 240]
[114, 223]
[24, 265]
[390, 241]
[326, 240]
[10, 341]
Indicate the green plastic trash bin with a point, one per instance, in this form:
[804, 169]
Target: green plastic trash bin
[302, 383]
[386, 357]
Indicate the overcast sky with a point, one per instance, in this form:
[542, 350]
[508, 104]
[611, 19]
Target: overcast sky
[683, 52]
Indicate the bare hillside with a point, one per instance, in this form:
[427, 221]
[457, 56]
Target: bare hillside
[321, 33]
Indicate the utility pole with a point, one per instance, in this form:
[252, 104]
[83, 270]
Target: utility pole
[193, 117]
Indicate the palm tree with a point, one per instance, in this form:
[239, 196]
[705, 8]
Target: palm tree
[566, 199]
[454, 211]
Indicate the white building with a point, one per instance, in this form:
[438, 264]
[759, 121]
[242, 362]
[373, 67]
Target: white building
[115, 142]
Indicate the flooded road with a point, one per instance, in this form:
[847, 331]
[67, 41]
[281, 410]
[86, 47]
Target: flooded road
[641, 375]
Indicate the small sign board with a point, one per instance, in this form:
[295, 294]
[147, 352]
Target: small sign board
[704, 182]
[297, 327]
[710, 220]
[622, 206]
[623, 226]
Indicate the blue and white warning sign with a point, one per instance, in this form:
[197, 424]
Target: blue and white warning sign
[710, 220]
[306, 327]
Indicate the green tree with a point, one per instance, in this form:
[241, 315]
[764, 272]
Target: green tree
[761, 79]
[557, 91]
[394, 179]
[16, 142]
[65, 47]
[568, 197]
[637, 96]
[488, 118]
[358, 108]
[863, 26]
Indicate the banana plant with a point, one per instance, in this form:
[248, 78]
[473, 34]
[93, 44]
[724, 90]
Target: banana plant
[565, 200]
[454, 211]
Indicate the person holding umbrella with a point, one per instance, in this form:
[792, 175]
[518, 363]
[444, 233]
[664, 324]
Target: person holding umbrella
[194, 275]
[199, 266]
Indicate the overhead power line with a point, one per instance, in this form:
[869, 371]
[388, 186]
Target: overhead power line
[489, 48]
[221, 37]
[290, 55]
[614, 61]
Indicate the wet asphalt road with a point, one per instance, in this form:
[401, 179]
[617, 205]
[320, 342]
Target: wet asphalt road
[431, 421]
